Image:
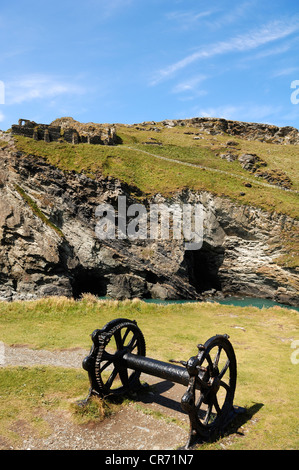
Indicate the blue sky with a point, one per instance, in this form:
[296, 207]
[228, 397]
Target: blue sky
[131, 60]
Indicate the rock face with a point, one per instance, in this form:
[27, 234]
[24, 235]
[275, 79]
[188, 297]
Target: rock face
[48, 244]
[246, 130]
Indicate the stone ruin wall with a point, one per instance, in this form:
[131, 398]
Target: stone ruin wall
[56, 133]
[69, 130]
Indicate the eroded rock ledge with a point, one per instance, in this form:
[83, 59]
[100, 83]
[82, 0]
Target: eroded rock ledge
[49, 247]
[246, 130]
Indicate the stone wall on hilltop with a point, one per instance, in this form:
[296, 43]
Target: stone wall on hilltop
[66, 129]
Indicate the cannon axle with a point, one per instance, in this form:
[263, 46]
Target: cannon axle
[117, 359]
[163, 370]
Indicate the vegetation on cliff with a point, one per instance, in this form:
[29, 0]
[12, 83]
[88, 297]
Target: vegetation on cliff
[35, 209]
[165, 160]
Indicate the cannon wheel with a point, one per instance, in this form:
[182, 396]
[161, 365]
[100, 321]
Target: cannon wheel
[213, 400]
[107, 375]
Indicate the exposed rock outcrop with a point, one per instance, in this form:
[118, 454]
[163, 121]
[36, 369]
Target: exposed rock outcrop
[246, 130]
[48, 244]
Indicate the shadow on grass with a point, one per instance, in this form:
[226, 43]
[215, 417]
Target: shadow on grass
[167, 396]
[242, 418]
[239, 417]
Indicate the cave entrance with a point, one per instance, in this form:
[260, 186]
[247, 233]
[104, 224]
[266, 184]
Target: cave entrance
[203, 267]
[88, 281]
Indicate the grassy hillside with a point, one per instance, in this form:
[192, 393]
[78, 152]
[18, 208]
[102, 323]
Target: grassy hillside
[171, 160]
[263, 341]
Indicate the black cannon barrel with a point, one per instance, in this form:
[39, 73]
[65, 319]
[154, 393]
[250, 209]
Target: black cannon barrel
[164, 370]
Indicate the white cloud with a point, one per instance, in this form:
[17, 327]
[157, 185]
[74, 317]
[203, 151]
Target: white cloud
[232, 15]
[39, 87]
[225, 112]
[188, 19]
[190, 85]
[245, 42]
[272, 51]
[286, 71]
[2, 117]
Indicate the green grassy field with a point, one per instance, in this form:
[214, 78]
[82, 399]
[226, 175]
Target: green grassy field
[268, 373]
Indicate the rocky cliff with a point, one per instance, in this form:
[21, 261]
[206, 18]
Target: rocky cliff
[48, 244]
[247, 130]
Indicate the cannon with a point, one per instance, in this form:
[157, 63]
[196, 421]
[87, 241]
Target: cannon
[118, 357]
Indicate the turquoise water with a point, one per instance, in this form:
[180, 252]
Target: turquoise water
[236, 301]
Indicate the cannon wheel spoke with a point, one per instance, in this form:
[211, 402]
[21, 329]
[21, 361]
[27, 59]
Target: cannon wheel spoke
[224, 369]
[217, 357]
[133, 344]
[118, 340]
[111, 378]
[124, 377]
[216, 405]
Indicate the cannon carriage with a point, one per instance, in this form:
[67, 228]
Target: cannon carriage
[118, 357]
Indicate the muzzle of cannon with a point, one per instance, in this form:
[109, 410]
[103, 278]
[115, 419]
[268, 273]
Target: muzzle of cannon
[117, 359]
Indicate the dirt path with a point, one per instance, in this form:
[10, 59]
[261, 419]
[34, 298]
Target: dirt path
[214, 170]
[129, 429]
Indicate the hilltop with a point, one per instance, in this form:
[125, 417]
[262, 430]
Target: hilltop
[244, 174]
[255, 161]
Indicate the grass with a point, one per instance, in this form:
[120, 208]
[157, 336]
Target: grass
[132, 163]
[267, 384]
[290, 240]
[35, 209]
[3, 144]
[28, 394]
